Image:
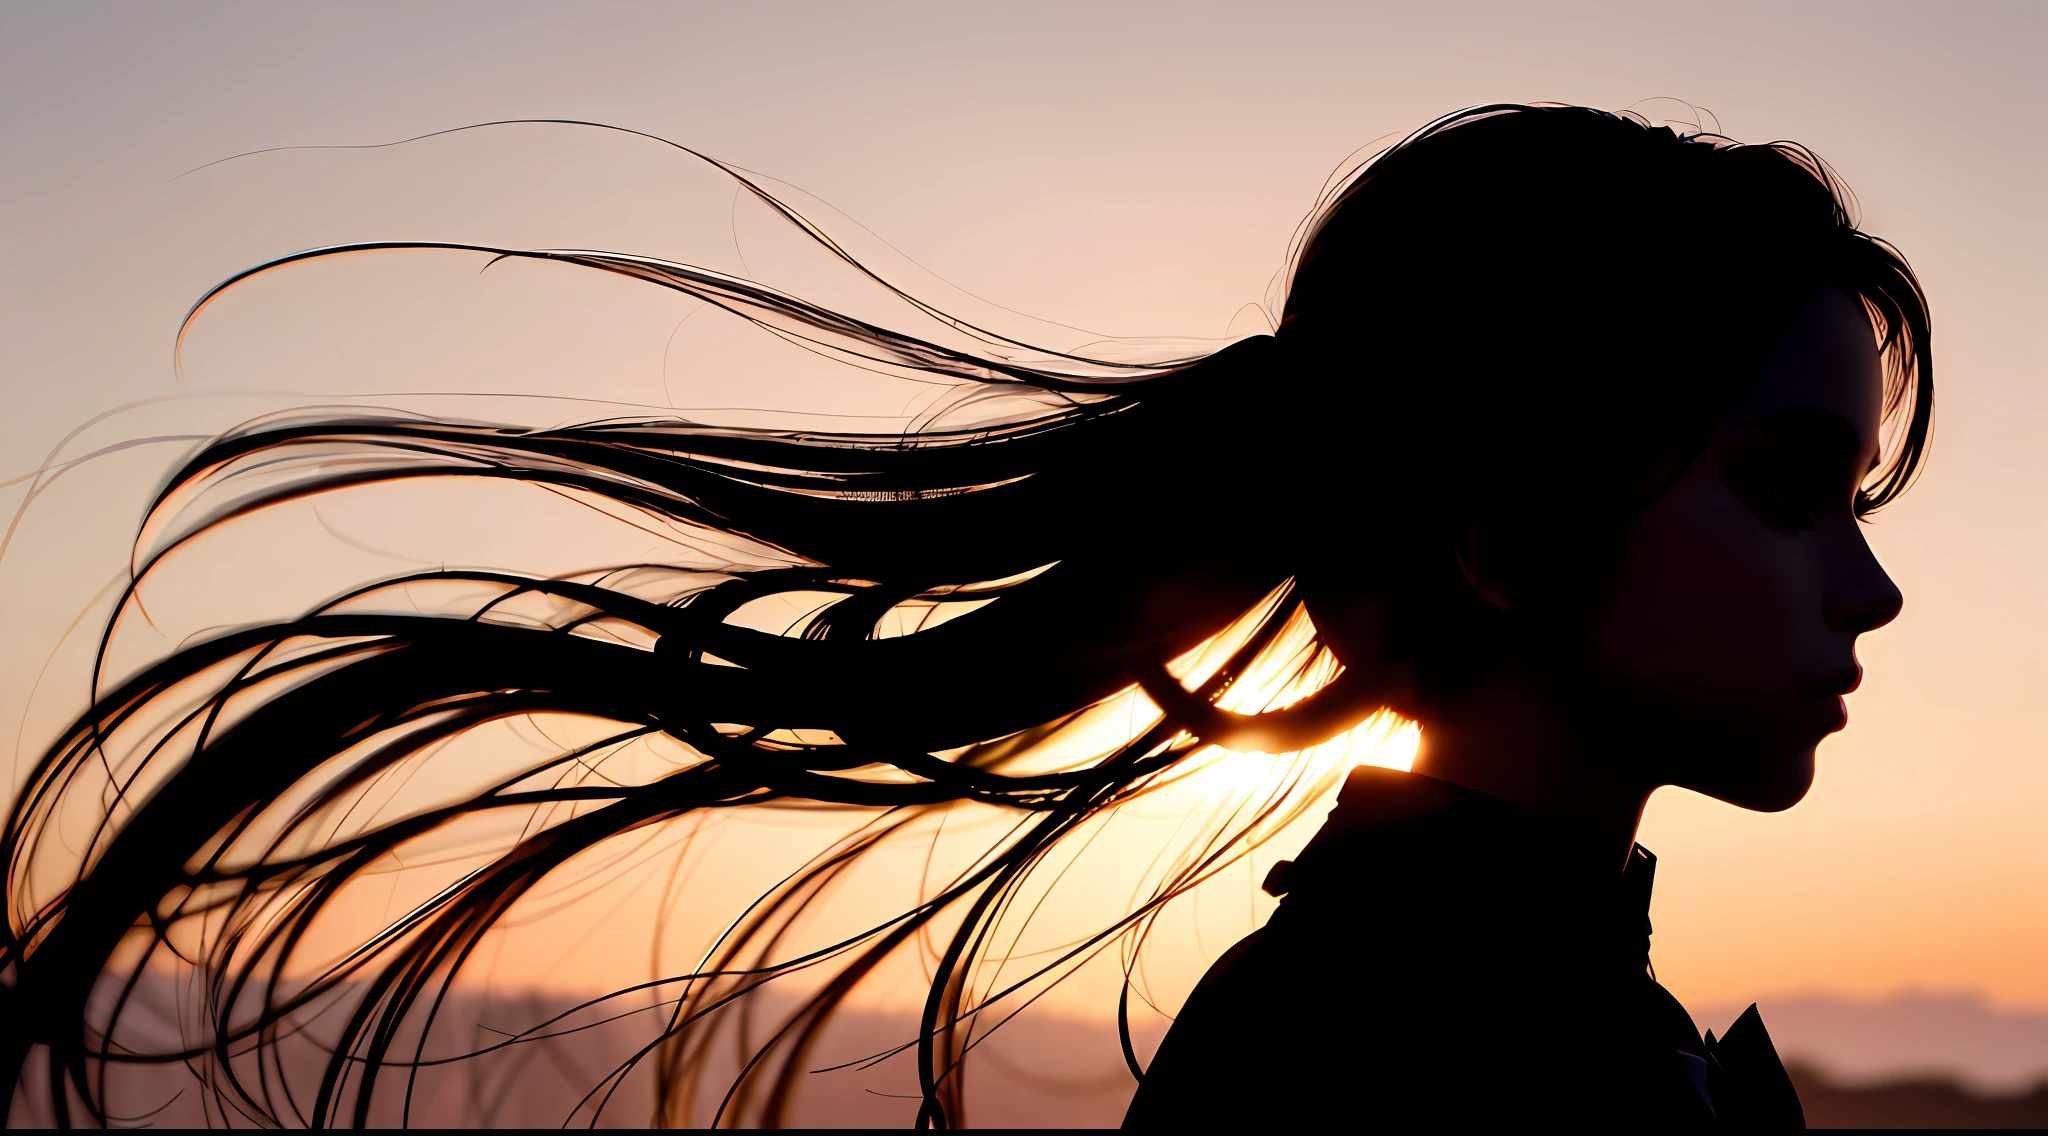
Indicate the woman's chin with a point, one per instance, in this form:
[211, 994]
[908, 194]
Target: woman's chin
[1766, 784]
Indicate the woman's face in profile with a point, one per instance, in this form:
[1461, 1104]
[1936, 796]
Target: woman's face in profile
[1730, 631]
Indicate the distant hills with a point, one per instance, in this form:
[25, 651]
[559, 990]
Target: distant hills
[1931, 1102]
[1956, 1037]
[1905, 1062]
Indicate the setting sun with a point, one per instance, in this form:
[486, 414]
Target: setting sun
[1293, 666]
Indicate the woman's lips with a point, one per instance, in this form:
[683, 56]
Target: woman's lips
[1828, 692]
[1836, 714]
[1839, 682]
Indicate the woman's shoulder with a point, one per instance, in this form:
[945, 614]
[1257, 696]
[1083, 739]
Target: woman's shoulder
[1285, 1032]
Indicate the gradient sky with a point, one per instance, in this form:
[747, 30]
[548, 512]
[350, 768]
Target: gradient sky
[1137, 169]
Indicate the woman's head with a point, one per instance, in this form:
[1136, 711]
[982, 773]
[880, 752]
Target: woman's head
[1526, 341]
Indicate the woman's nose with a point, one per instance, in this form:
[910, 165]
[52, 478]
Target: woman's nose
[1864, 597]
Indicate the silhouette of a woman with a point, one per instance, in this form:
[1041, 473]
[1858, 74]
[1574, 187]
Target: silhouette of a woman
[1644, 384]
[1562, 444]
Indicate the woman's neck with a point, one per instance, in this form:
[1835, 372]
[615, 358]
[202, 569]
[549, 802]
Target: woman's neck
[1512, 738]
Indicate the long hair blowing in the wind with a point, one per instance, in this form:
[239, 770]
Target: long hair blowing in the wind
[1509, 312]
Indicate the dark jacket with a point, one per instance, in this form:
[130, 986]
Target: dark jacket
[1441, 958]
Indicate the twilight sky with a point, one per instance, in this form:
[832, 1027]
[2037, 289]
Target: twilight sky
[1130, 168]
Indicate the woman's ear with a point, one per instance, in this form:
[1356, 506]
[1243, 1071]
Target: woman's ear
[1481, 559]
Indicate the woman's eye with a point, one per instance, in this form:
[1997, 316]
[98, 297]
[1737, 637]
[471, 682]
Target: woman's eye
[1784, 512]
[1779, 497]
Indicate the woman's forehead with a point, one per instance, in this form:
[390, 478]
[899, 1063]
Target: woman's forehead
[1826, 361]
